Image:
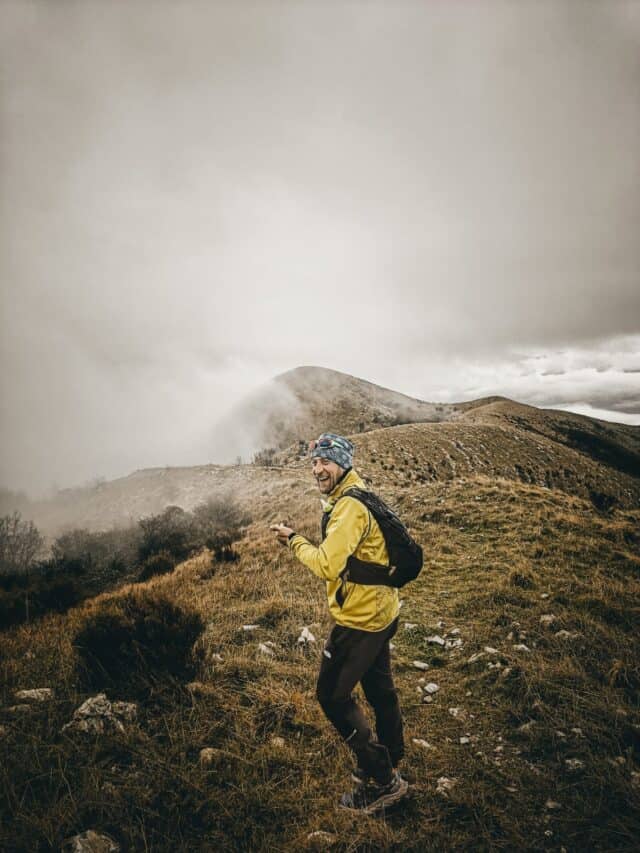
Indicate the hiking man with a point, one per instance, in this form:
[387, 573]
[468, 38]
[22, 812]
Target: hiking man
[366, 618]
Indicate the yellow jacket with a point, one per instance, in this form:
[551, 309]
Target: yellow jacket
[351, 529]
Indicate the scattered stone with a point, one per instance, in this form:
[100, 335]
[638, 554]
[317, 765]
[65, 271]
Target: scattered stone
[277, 741]
[321, 840]
[465, 740]
[475, 657]
[490, 650]
[266, 648]
[207, 756]
[428, 699]
[410, 626]
[544, 595]
[392, 647]
[419, 690]
[559, 733]
[444, 786]
[458, 713]
[306, 637]
[420, 664]
[552, 805]
[217, 657]
[98, 715]
[574, 764]
[506, 672]
[422, 743]
[431, 688]
[520, 647]
[437, 640]
[39, 694]
[547, 620]
[250, 627]
[567, 635]
[91, 842]
[577, 731]
[454, 632]
[453, 644]
[512, 789]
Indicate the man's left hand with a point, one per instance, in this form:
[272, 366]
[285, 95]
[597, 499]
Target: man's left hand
[282, 533]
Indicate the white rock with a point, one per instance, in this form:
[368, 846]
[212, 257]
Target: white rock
[577, 731]
[321, 840]
[445, 785]
[574, 764]
[265, 649]
[38, 694]
[520, 647]
[567, 635]
[458, 713]
[410, 626]
[392, 647]
[544, 595]
[98, 715]
[420, 664]
[306, 637]
[465, 740]
[547, 619]
[428, 699]
[454, 632]
[422, 743]
[207, 756]
[250, 627]
[490, 650]
[91, 842]
[437, 640]
[277, 741]
[431, 688]
[552, 805]
[475, 657]
[217, 657]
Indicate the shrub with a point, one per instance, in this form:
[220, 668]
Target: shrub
[265, 457]
[218, 524]
[135, 642]
[170, 531]
[157, 564]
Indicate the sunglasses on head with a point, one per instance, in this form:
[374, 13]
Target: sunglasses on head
[323, 442]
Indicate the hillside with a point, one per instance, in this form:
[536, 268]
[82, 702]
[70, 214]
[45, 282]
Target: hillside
[495, 438]
[309, 400]
[530, 743]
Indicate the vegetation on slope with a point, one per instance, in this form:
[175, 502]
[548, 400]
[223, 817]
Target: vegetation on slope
[536, 721]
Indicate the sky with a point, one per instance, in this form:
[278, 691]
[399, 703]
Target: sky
[439, 197]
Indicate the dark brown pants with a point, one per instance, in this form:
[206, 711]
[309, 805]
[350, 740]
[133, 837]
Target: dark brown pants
[351, 656]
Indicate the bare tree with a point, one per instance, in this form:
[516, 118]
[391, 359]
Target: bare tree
[20, 544]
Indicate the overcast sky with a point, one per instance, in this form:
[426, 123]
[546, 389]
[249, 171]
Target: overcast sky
[440, 197]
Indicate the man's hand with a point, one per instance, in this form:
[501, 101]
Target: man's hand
[282, 533]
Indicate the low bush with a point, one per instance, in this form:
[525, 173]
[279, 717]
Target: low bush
[136, 642]
[157, 564]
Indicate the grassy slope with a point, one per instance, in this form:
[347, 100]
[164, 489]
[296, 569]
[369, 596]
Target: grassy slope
[493, 548]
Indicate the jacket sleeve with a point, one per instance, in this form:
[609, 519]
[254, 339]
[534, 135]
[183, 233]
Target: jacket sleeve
[348, 524]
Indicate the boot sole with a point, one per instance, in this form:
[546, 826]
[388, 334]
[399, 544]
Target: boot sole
[382, 802]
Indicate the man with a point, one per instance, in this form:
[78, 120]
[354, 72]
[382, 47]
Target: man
[366, 617]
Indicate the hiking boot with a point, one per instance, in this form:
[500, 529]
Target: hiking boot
[371, 798]
[360, 776]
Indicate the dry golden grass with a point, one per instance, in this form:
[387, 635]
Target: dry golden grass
[493, 548]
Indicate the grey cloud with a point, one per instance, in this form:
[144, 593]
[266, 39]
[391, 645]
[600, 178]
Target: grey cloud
[199, 196]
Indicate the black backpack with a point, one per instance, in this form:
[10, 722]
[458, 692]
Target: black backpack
[405, 555]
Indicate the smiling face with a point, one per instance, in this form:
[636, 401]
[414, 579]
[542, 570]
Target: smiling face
[327, 473]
